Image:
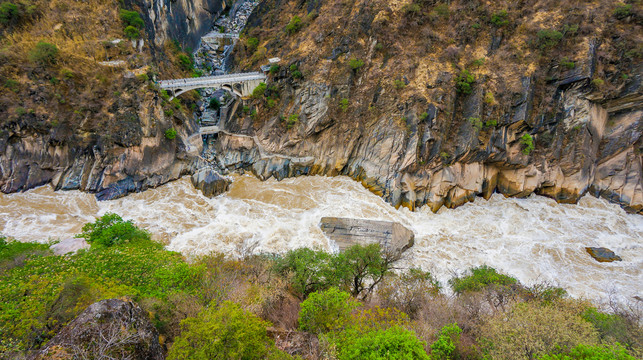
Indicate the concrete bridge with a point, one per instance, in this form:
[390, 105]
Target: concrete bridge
[217, 35]
[241, 84]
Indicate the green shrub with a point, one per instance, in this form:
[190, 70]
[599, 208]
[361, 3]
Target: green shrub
[214, 104]
[597, 83]
[399, 84]
[132, 32]
[423, 116]
[170, 134]
[11, 249]
[110, 229]
[12, 85]
[528, 144]
[611, 327]
[530, 330]
[500, 19]
[565, 62]
[491, 123]
[326, 311]
[44, 53]
[463, 82]
[343, 104]
[185, 62]
[549, 38]
[442, 10]
[394, 343]
[293, 119]
[274, 69]
[9, 13]
[356, 64]
[307, 268]
[444, 347]
[294, 25]
[597, 352]
[271, 103]
[252, 44]
[259, 91]
[475, 122]
[408, 291]
[479, 278]
[489, 99]
[225, 332]
[412, 9]
[131, 18]
[360, 268]
[168, 113]
[622, 11]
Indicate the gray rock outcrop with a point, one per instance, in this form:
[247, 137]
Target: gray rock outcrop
[392, 236]
[109, 329]
[210, 182]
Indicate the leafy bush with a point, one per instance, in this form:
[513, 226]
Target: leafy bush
[528, 142]
[8, 13]
[170, 134]
[132, 32]
[444, 347]
[274, 69]
[343, 104]
[480, 278]
[622, 11]
[500, 19]
[293, 119]
[463, 82]
[476, 123]
[530, 330]
[359, 269]
[44, 53]
[214, 104]
[408, 291]
[294, 71]
[225, 332]
[598, 352]
[489, 99]
[326, 311]
[549, 38]
[252, 44]
[611, 327]
[356, 64]
[294, 25]
[395, 343]
[259, 91]
[598, 83]
[11, 249]
[442, 10]
[565, 62]
[132, 18]
[308, 270]
[491, 123]
[185, 62]
[399, 84]
[110, 229]
[423, 116]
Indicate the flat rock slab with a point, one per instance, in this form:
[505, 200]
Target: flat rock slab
[348, 232]
[67, 246]
[602, 254]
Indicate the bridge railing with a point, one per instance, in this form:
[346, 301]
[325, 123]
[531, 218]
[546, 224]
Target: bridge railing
[212, 79]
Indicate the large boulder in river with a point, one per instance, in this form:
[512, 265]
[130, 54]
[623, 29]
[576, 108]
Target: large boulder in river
[602, 254]
[210, 182]
[108, 329]
[346, 232]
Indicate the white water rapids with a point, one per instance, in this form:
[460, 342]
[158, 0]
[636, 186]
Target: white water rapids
[533, 239]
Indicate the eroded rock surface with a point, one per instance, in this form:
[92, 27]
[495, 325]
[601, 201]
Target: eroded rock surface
[109, 329]
[210, 182]
[347, 232]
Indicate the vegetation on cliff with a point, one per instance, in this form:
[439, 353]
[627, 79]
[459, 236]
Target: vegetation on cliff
[248, 302]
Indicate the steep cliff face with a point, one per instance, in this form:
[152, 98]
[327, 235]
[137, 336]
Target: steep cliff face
[183, 20]
[90, 117]
[429, 103]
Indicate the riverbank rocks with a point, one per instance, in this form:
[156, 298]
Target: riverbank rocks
[108, 329]
[346, 232]
[602, 254]
[210, 182]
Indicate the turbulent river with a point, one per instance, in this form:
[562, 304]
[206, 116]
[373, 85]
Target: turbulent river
[534, 239]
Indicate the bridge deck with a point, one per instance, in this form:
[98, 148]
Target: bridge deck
[218, 35]
[211, 80]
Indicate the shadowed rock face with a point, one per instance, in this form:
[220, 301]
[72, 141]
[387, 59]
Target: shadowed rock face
[348, 232]
[210, 182]
[107, 329]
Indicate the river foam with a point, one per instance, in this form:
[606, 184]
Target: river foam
[534, 239]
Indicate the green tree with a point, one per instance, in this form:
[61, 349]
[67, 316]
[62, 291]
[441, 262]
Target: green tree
[326, 311]
[308, 270]
[215, 104]
[598, 352]
[110, 229]
[528, 144]
[356, 64]
[359, 269]
[225, 332]
[500, 19]
[464, 82]
[132, 18]
[132, 33]
[44, 53]
[252, 44]
[185, 62]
